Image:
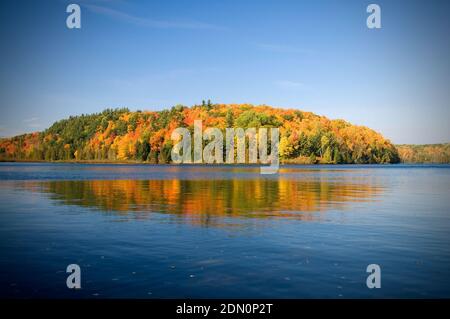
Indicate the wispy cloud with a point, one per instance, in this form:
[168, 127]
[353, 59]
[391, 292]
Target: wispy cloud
[168, 76]
[32, 122]
[31, 119]
[147, 22]
[286, 84]
[282, 48]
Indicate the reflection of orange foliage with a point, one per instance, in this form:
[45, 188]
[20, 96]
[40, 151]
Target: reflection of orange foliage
[203, 200]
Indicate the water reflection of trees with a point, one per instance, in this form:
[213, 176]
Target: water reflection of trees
[203, 200]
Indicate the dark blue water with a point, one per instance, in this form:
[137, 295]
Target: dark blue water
[187, 231]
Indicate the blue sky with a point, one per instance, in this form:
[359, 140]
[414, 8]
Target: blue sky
[316, 56]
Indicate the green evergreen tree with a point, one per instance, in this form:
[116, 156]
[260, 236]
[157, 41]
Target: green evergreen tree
[229, 119]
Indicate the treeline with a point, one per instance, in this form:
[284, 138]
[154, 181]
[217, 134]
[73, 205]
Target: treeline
[122, 135]
[428, 153]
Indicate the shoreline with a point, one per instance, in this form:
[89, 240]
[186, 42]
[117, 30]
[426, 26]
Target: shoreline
[130, 162]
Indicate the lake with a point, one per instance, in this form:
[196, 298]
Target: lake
[149, 231]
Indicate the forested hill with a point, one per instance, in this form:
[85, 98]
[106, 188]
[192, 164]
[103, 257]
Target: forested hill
[121, 135]
[427, 153]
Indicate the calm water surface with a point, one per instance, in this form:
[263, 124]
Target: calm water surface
[224, 231]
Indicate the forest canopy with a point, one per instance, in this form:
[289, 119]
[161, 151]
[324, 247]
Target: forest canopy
[428, 153]
[123, 135]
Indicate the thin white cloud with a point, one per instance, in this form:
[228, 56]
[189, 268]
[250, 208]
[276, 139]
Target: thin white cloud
[147, 22]
[31, 120]
[282, 48]
[144, 80]
[35, 125]
[286, 84]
